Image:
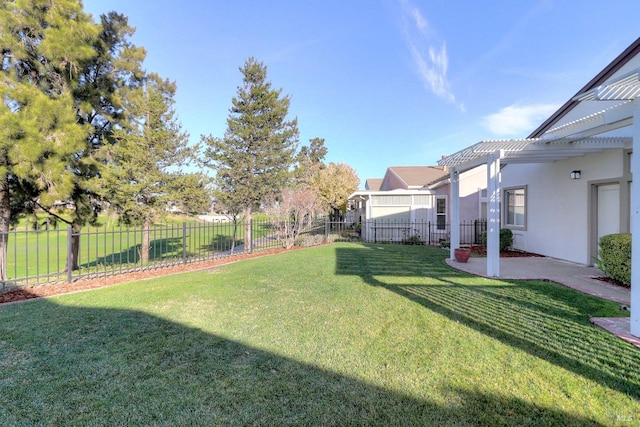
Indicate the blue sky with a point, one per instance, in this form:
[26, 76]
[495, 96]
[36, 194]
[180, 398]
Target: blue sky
[384, 82]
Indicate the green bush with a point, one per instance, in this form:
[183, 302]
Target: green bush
[506, 239]
[614, 257]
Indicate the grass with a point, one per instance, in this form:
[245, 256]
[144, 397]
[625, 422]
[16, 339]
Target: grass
[341, 334]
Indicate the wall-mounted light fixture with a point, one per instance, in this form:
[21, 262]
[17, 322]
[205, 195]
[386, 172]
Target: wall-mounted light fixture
[575, 174]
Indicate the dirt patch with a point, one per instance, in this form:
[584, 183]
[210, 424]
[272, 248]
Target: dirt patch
[59, 288]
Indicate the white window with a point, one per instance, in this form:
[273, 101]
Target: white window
[441, 213]
[515, 202]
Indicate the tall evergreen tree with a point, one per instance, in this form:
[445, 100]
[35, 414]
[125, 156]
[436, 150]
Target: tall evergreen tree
[43, 46]
[142, 176]
[254, 158]
[115, 67]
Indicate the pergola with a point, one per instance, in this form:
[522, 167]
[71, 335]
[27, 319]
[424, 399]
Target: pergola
[576, 138]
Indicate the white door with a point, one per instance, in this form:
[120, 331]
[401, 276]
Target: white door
[608, 209]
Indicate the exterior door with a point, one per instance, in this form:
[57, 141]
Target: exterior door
[608, 210]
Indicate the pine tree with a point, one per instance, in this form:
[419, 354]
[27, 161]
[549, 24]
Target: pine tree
[115, 67]
[43, 46]
[254, 158]
[142, 177]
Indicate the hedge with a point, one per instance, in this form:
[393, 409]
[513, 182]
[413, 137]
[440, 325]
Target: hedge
[506, 239]
[614, 257]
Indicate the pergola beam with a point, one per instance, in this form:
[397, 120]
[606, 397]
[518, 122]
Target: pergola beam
[533, 150]
[595, 124]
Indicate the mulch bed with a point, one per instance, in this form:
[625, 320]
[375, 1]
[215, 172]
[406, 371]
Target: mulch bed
[612, 281]
[480, 250]
[50, 289]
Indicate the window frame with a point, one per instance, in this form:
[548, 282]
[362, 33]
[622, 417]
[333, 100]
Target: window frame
[505, 216]
[441, 226]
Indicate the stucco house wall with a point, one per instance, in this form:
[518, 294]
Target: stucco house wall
[558, 215]
[472, 183]
[563, 214]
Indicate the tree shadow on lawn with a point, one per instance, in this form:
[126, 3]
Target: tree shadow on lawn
[165, 249]
[65, 365]
[159, 250]
[222, 243]
[534, 316]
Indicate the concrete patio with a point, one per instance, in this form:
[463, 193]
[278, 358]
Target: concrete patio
[575, 276]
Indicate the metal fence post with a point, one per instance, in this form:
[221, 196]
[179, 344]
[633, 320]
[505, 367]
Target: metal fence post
[375, 232]
[69, 253]
[326, 230]
[184, 242]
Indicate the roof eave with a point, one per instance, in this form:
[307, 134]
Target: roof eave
[599, 79]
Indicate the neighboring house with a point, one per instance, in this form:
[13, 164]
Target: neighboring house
[569, 182]
[472, 193]
[412, 202]
[373, 184]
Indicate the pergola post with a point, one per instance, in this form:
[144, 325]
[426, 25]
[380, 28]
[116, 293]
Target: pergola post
[493, 214]
[635, 222]
[454, 238]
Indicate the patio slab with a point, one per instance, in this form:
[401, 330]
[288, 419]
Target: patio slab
[575, 276]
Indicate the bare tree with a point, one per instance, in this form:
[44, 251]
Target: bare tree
[292, 213]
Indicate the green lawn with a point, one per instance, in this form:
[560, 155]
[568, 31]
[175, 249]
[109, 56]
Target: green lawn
[340, 334]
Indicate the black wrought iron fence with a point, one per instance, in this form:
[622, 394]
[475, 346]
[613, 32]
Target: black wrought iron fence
[406, 232]
[39, 253]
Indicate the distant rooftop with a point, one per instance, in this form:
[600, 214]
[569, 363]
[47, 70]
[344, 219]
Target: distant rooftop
[412, 177]
[373, 184]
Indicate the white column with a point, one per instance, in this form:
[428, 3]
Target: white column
[635, 222]
[454, 239]
[493, 214]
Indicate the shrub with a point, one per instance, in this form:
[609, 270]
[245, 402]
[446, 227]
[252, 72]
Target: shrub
[614, 257]
[307, 240]
[506, 239]
[414, 239]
